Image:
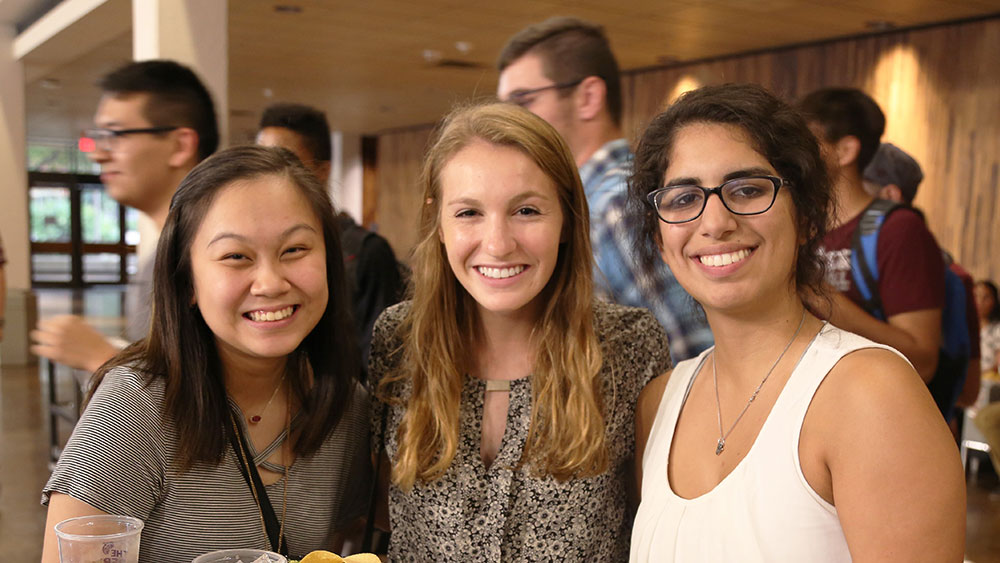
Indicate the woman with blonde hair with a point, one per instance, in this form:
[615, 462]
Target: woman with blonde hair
[505, 392]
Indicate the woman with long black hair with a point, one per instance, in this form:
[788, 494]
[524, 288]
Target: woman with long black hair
[238, 422]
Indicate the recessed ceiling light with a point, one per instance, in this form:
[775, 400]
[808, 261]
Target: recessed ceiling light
[268, 93]
[431, 55]
[463, 47]
[287, 9]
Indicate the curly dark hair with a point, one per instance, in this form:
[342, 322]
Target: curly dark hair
[775, 129]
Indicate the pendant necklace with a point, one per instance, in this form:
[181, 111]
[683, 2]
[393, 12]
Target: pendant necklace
[721, 445]
[257, 417]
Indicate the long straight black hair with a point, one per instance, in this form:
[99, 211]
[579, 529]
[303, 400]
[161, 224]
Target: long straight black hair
[180, 348]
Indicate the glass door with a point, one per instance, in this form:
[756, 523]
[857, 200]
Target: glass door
[79, 235]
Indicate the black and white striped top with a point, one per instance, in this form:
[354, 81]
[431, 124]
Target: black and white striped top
[120, 460]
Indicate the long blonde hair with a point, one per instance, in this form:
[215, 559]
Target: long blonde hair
[566, 437]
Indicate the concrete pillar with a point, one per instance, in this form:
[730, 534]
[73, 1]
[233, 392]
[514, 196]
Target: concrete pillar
[346, 174]
[192, 32]
[20, 311]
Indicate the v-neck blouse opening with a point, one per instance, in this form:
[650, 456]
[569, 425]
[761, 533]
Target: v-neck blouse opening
[741, 464]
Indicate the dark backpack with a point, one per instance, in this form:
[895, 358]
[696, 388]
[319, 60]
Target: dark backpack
[954, 355]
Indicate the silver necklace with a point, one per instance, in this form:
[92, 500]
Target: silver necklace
[721, 445]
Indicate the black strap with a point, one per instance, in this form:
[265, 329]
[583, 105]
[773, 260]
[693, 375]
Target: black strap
[266, 510]
[366, 542]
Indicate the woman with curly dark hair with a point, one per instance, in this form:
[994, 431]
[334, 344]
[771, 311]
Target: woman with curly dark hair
[790, 440]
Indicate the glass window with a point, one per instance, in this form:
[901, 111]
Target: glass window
[101, 268]
[50, 214]
[131, 226]
[57, 155]
[98, 215]
[51, 267]
[131, 264]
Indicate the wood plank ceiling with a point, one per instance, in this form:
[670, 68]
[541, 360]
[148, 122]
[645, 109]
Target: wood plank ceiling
[383, 64]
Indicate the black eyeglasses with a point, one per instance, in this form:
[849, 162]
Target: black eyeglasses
[105, 139]
[751, 195]
[522, 97]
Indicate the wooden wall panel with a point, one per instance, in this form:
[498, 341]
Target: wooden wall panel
[938, 87]
[400, 159]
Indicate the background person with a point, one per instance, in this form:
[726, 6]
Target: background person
[508, 392]
[848, 125]
[154, 123]
[894, 175]
[563, 70]
[371, 267]
[988, 310]
[988, 417]
[790, 440]
[250, 367]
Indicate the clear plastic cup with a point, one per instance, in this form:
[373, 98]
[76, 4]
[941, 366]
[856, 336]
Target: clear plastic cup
[239, 555]
[104, 538]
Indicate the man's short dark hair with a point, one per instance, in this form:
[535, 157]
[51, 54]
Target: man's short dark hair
[176, 97]
[308, 122]
[570, 49]
[847, 111]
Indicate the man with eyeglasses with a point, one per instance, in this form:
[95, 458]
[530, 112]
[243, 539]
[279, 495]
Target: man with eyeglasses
[154, 123]
[563, 70]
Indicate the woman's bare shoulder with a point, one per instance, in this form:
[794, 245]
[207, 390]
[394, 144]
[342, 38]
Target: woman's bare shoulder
[652, 394]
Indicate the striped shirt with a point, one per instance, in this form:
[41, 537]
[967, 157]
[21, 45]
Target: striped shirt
[120, 460]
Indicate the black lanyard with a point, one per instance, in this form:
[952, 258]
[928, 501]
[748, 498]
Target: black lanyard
[264, 503]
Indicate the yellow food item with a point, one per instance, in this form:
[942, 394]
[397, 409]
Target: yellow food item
[321, 556]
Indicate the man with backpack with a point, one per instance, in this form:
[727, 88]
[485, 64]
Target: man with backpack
[904, 309]
[894, 175]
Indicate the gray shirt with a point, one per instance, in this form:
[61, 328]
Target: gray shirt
[138, 301]
[120, 459]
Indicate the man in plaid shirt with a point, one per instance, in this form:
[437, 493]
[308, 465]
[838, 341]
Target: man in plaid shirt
[563, 70]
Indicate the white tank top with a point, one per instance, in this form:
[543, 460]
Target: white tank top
[764, 510]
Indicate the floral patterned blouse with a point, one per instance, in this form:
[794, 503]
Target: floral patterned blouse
[501, 513]
[989, 344]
